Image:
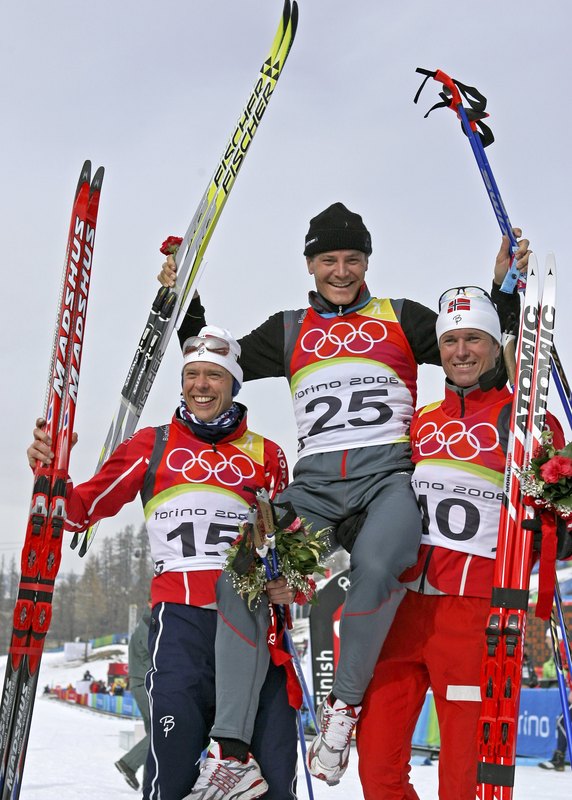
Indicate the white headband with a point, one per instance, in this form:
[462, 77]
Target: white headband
[228, 361]
[468, 312]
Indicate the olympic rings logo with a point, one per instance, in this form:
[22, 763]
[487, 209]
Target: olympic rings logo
[344, 336]
[456, 439]
[199, 467]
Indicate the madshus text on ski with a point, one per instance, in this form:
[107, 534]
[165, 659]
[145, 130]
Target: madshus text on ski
[41, 553]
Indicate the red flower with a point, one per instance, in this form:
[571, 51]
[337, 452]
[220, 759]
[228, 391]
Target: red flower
[302, 597]
[555, 468]
[171, 245]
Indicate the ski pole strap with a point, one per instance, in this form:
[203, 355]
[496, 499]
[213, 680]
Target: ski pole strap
[451, 97]
[479, 136]
[281, 657]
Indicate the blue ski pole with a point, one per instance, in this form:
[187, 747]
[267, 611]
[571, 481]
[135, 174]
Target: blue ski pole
[273, 572]
[562, 688]
[471, 121]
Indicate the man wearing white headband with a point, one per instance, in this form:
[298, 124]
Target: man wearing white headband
[195, 477]
[469, 335]
[437, 638]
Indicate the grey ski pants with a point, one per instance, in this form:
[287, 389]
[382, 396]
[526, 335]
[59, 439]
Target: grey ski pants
[387, 543]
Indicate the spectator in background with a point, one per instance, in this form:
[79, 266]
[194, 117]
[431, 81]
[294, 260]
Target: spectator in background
[139, 665]
[549, 667]
[529, 676]
[558, 760]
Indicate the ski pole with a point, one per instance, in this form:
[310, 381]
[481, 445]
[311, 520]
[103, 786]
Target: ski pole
[562, 385]
[272, 572]
[471, 121]
[562, 688]
[268, 545]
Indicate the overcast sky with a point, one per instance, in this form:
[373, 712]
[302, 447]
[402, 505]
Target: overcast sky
[151, 90]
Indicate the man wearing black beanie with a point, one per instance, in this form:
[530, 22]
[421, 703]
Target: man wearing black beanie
[337, 228]
[351, 362]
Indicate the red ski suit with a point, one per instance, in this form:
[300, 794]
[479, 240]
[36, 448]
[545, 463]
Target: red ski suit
[436, 640]
[194, 495]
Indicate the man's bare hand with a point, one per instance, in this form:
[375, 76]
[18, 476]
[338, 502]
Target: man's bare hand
[279, 592]
[504, 257]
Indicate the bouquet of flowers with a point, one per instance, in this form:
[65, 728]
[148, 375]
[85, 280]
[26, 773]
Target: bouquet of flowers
[297, 551]
[547, 482]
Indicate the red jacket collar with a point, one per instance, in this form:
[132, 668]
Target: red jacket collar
[465, 402]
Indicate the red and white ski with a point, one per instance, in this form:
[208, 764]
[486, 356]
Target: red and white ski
[41, 553]
[505, 632]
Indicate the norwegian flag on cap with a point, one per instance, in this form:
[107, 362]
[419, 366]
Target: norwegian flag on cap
[459, 304]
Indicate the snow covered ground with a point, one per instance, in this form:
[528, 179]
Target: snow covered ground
[72, 750]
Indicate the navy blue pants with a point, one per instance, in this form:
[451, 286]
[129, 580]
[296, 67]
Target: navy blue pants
[181, 687]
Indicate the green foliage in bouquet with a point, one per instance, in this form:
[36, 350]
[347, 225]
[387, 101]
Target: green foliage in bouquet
[299, 552]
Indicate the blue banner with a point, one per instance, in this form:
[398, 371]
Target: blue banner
[536, 732]
[539, 709]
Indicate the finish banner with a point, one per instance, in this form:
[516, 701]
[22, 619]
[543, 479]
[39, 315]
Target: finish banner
[324, 633]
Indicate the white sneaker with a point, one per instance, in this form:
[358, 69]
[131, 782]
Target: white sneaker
[227, 778]
[329, 753]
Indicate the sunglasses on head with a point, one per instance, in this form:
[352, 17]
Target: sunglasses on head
[462, 291]
[211, 343]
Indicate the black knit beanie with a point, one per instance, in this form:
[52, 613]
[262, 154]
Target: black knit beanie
[337, 228]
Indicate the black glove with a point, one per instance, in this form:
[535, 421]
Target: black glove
[563, 535]
[347, 530]
[245, 556]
